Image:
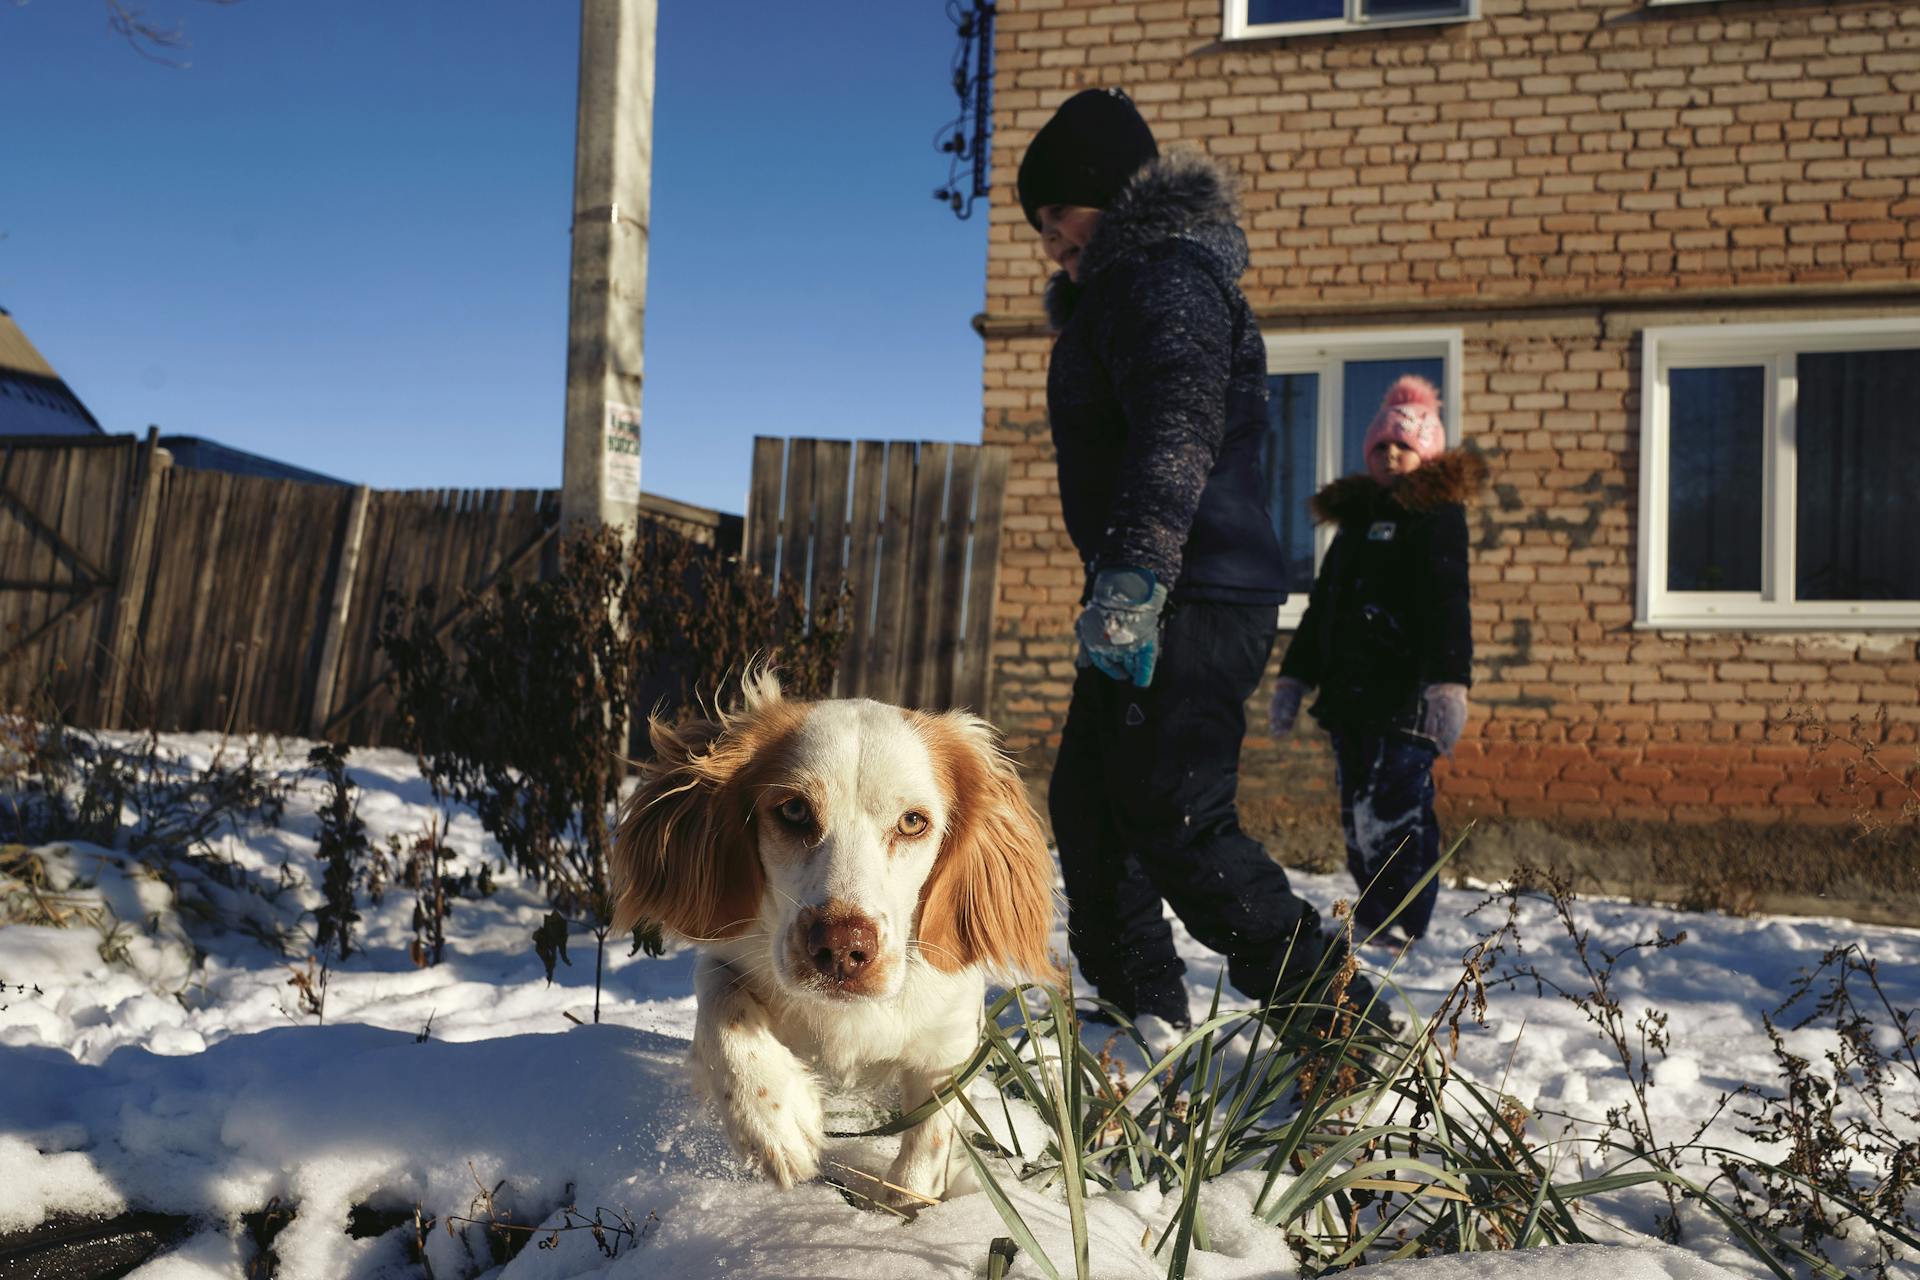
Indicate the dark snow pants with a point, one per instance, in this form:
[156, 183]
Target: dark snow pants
[1142, 801]
[1386, 811]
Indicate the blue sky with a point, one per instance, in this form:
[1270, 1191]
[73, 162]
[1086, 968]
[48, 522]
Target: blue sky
[339, 236]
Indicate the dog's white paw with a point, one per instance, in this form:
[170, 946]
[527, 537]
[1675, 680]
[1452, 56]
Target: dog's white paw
[778, 1133]
[769, 1102]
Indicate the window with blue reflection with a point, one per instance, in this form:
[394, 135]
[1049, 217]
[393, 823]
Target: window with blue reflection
[1282, 12]
[1293, 415]
[1716, 480]
[1859, 476]
[1260, 12]
[1385, 10]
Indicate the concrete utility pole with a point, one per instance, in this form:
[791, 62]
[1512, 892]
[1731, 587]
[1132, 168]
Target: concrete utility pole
[607, 304]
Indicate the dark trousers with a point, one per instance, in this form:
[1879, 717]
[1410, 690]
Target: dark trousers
[1386, 811]
[1142, 801]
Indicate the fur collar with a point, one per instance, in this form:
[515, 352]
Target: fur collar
[1455, 476]
[1178, 195]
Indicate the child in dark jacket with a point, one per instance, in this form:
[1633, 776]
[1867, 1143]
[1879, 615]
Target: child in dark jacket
[1387, 640]
[1156, 397]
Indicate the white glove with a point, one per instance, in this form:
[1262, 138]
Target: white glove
[1443, 714]
[1285, 707]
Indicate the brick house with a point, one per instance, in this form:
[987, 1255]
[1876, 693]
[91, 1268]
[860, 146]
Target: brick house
[1663, 261]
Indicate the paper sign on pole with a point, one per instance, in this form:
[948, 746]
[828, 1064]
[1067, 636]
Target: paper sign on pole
[621, 475]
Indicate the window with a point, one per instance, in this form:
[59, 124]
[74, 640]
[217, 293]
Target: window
[1258, 19]
[1778, 475]
[1322, 391]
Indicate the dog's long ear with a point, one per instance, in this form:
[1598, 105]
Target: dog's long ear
[685, 854]
[989, 900]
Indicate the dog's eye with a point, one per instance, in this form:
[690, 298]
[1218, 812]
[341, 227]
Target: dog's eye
[912, 824]
[795, 811]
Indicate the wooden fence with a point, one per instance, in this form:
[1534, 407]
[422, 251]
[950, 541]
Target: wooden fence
[265, 599]
[913, 529]
[137, 593]
[69, 502]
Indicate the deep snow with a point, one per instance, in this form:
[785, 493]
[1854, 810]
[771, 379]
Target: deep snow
[159, 1081]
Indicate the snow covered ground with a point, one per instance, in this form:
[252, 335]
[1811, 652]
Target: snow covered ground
[182, 1076]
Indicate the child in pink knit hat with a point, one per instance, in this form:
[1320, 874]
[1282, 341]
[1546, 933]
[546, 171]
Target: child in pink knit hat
[1406, 432]
[1387, 640]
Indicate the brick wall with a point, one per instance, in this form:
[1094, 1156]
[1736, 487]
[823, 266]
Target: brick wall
[1549, 179]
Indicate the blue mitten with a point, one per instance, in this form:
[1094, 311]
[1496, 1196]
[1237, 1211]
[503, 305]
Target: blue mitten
[1285, 707]
[1119, 630]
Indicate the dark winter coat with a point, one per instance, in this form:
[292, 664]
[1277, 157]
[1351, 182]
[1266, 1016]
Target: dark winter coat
[1389, 610]
[1157, 392]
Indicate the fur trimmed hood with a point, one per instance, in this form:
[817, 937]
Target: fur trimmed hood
[1457, 475]
[1179, 195]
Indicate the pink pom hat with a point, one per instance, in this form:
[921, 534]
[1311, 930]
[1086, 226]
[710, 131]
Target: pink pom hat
[1410, 414]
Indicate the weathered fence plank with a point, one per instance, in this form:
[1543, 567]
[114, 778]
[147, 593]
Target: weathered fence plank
[135, 571]
[101, 526]
[973, 684]
[950, 606]
[111, 527]
[923, 572]
[197, 658]
[763, 504]
[830, 483]
[346, 565]
[890, 607]
[796, 524]
[863, 538]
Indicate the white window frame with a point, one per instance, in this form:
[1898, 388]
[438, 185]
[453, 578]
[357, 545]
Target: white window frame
[1324, 354]
[1234, 24]
[1774, 348]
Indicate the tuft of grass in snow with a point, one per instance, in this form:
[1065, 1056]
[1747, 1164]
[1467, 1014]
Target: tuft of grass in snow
[176, 816]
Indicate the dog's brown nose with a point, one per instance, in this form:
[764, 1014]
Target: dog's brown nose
[842, 946]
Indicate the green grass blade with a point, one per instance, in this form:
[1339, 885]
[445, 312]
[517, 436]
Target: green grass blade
[1069, 1114]
[1296, 1198]
[1185, 1220]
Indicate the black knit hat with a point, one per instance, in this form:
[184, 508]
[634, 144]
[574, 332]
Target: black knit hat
[1085, 154]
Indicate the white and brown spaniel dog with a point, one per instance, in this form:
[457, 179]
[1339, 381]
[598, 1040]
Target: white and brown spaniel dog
[851, 872]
